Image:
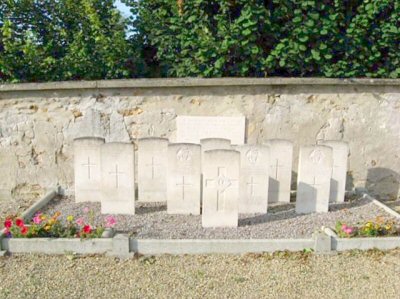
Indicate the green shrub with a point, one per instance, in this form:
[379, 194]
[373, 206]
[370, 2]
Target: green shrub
[327, 38]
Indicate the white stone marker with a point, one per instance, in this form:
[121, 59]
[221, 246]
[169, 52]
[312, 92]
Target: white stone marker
[194, 128]
[184, 178]
[254, 178]
[314, 179]
[280, 171]
[339, 169]
[152, 169]
[221, 170]
[208, 144]
[87, 169]
[118, 182]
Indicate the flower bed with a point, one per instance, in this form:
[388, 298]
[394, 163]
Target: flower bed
[45, 226]
[379, 227]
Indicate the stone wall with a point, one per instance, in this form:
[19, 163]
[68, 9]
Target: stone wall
[39, 121]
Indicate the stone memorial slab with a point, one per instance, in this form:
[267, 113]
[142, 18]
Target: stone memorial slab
[221, 170]
[152, 169]
[314, 179]
[339, 169]
[254, 178]
[118, 181]
[280, 171]
[87, 169]
[194, 128]
[208, 144]
[184, 179]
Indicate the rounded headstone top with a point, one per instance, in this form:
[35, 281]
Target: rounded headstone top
[179, 144]
[93, 138]
[153, 139]
[214, 139]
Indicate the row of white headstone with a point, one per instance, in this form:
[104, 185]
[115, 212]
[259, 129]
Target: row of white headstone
[214, 177]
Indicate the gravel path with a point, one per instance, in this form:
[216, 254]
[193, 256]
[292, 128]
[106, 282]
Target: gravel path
[353, 274]
[152, 221]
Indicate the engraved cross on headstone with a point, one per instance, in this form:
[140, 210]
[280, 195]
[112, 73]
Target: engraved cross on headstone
[116, 173]
[153, 166]
[183, 184]
[277, 166]
[88, 165]
[251, 184]
[221, 183]
[314, 184]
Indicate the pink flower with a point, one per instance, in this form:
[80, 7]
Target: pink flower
[110, 221]
[86, 210]
[348, 230]
[37, 218]
[80, 221]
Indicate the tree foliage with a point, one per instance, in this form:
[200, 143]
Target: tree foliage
[50, 40]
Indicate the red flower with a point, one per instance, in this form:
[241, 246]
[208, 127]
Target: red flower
[24, 230]
[8, 223]
[87, 229]
[19, 222]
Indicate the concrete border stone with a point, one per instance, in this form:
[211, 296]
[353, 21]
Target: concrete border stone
[30, 212]
[196, 246]
[193, 82]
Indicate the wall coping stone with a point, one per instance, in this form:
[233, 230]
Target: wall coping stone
[194, 82]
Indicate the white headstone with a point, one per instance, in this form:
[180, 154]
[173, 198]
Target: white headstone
[184, 178]
[339, 169]
[118, 182]
[87, 168]
[254, 178]
[152, 169]
[194, 128]
[280, 171]
[208, 144]
[314, 179]
[221, 170]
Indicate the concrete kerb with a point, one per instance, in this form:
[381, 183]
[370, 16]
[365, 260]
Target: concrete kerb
[196, 246]
[325, 241]
[383, 206]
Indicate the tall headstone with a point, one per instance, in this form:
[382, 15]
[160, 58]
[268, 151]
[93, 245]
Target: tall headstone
[118, 182]
[152, 169]
[339, 169]
[184, 178]
[254, 178]
[208, 144]
[280, 171]
[87, 168]
[221, 170]
[194, 128]
[314, 179]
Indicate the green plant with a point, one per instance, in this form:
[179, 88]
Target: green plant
[328, 38]
[374, 228]
[45, 226]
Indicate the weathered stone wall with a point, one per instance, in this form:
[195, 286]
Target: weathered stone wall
[39, 121]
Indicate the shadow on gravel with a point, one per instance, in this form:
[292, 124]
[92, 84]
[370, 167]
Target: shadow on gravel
[334, 207]
[140, 210]
[263, 218]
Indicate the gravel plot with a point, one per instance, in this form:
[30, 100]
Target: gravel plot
[353, 274]
[152, 221]
[16, 206]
